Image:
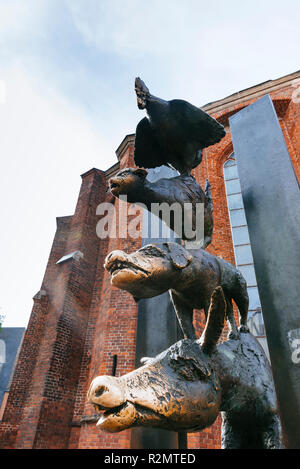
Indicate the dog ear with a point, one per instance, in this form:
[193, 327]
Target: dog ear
[180, 257]
[143, 173]
[215, 321]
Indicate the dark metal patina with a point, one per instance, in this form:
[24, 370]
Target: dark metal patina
[174, 132]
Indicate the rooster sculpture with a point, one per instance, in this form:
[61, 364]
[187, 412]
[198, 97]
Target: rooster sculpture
[173, 133]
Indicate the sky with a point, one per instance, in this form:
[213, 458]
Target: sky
[67, 100]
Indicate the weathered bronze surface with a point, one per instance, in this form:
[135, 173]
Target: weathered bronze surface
[179, 190]
[190, 275]
[185, 387]
[174, 132]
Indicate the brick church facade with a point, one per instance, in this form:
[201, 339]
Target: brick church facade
[81, 326]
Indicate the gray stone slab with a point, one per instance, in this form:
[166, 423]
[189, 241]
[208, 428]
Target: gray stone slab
[272, 205]
[157, 328]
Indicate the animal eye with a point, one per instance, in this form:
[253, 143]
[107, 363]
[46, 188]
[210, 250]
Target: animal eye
[152, 251]
[189, 369]
[123, 174]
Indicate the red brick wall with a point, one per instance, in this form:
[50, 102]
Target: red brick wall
[82, 321]
[52, 350]
[115, 314]
[23, 380]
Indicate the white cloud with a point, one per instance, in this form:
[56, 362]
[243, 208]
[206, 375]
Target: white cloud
[21, 21]
[46, 143]
[133, 26]
[197, 50]
[17, 15]
[90, 51]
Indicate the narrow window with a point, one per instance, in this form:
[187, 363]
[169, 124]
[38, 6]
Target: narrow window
[242, 248]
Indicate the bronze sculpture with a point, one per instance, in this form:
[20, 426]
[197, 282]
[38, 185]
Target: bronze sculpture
[179, 190]
[173, 133]
[190, 275]
[185, 388]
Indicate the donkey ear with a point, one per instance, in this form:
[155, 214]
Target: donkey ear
[186, 360]
[143, 173]
[215, 321]
[180, 257]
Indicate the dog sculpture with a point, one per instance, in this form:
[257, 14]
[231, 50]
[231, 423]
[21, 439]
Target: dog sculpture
[190, 275]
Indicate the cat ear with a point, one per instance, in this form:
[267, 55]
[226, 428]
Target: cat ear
[143, 173]
[215, 321]
[179, 256]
